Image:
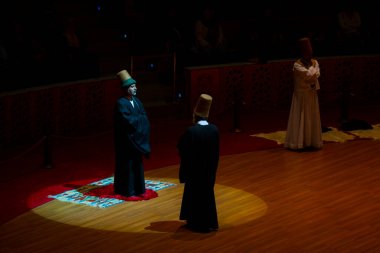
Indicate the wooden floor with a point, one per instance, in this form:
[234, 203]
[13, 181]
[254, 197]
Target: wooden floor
[268, 201]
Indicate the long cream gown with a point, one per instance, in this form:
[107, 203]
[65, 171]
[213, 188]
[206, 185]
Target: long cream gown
[304, 125]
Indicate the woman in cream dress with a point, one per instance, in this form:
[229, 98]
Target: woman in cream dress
[304, 129]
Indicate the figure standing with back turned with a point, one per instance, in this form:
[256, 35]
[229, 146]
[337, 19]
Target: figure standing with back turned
[199, 154]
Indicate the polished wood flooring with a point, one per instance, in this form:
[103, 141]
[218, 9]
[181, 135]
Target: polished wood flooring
[273, 200]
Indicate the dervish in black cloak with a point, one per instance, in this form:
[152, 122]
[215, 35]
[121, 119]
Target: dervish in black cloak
[132, 141]
[199, 153]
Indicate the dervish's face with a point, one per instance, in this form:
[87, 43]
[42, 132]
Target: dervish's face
[132, 90]
[307, 54]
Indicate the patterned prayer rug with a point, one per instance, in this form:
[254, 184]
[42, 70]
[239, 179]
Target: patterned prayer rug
[100, 193]
[334, 135]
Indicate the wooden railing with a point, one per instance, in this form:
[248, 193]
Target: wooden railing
[85, 107]
[270, 86]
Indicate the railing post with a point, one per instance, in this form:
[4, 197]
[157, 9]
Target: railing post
[48, 160]
[236, 110]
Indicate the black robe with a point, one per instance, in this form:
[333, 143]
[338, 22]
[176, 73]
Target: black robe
[131, 138]
[199, 153]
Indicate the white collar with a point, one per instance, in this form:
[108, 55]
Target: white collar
[202, 122]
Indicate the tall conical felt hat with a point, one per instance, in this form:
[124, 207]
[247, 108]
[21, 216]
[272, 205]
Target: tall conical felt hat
[305, 45]
[202, 108]
[126, 79]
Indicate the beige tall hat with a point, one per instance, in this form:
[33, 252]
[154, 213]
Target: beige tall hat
[126, 79]
[202, 108]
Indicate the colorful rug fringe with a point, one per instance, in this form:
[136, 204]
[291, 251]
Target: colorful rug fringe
[100, 193]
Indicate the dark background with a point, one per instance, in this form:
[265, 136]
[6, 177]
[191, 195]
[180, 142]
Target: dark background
[34, 51]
